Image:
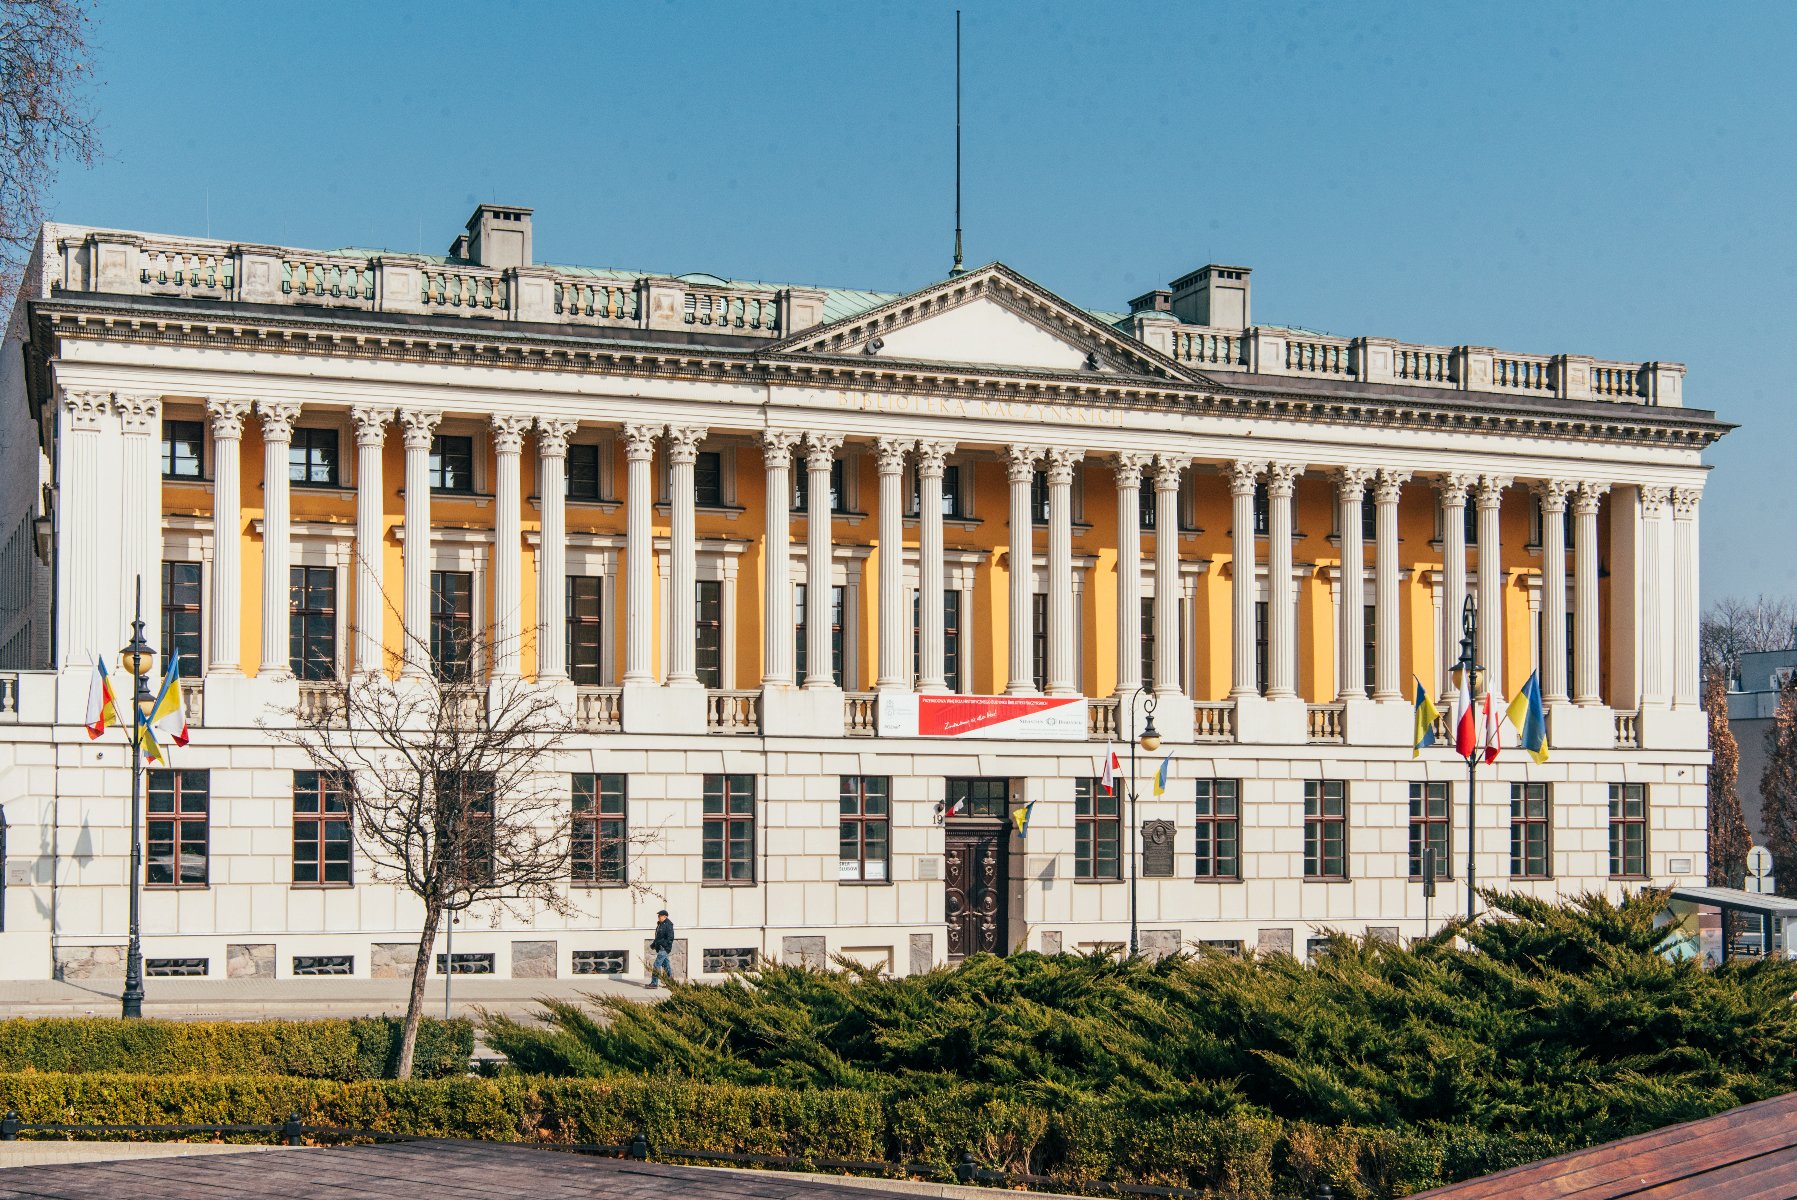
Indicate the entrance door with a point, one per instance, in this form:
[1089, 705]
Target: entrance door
[975, 869]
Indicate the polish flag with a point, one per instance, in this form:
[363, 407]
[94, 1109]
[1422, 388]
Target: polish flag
[1111, 766]
[1494, 724]
[1465, 727]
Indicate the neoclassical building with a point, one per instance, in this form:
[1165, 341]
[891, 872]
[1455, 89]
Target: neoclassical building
[832, 583]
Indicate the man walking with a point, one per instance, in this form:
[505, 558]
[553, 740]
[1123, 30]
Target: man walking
[662, 945]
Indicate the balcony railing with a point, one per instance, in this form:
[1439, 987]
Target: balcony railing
[860, 714]
[1326, 723]
[1213, 721]
[732, 711]
[9, 698]
[1102, 719]
[193, 702]
[599, 710]
[1628, 733]
[320, 703]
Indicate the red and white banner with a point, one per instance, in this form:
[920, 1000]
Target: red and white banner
[1008, 718]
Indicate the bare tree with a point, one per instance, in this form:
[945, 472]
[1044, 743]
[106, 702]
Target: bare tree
[1729, 839]
[43, 119]
[1778, 788]
[1734, 627]
[450, 785]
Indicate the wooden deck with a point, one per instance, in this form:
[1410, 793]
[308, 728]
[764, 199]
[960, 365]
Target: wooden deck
[1746, 1153]
[411, 1171]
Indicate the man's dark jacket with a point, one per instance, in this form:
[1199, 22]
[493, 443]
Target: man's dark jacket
[664, 936]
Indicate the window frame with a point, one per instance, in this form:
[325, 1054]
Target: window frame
[183, 640]
[602, 829]
[855, 821]
[307, 441]
[1620, 825]
[572, 482]
[178, 783]
[970, 785]
[724, 826]
[1422, 830]
[1318, 822]
[481, 812]
[1094, 829]
[447, 624]
[839, 488]
[1210, 822]
[174, 433]
[440, 470]
[1521, 823]
[318, 788]
[302, 630]
[708, 632]
[576, 621]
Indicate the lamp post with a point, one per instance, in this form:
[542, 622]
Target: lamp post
[137, 658]
[1150, 740]
[1470, 676]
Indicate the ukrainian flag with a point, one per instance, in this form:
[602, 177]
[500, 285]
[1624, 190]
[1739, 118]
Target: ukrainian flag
[1426, 714]
[1020, 817]
[1527, 717]
[1160, 776]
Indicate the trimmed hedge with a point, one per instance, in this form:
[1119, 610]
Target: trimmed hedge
[356, 1048]
[1245, 1156]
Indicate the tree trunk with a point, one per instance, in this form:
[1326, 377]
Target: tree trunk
[421, 970]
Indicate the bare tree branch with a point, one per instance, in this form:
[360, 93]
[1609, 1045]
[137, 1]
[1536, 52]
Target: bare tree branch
[1733, 627]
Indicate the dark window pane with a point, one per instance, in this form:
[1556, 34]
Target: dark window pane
[709, 622]
[586, 633]
[181, 616]
[708, 478]
[312, 622]
[452, 623]
[312, 458]
[452, 464]
[176, 842]
[183, 447]
[583, 472]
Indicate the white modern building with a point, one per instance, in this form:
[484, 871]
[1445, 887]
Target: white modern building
[833, 583]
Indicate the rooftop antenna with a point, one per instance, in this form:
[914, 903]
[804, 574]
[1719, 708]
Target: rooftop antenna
[957, 269]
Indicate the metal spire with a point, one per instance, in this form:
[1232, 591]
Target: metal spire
[957, 269]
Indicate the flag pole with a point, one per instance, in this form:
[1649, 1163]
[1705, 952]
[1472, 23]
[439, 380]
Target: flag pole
[1471, 674]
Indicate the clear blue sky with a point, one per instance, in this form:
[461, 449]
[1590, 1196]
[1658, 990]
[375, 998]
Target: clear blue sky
[1614, 180]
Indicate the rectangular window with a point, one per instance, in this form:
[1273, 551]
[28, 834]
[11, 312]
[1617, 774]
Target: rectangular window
[465, 798]
[1219, 829]
[452, 464]
[1369, 521]
[1628, 831]
[1039, 498]
[183, 449]
[1325, 829]
[1531, 841]
[729, 834]
[600, 829]
[181, 616]
[1146, 508]
[1039, 639]
[951, 640]
[977, 798]
[802, 611]
[1369, 642]
[175, 828]
[1260, 645]
[1263, 510]
[951, 494]
[708, 616]
[452, 624]
[708, 479]
[801, 488]
[1431, 826]
[1148, 644]
[583, 473]
[321, 837]
[864, 832]
[1471, 524]
[312, 622]
[586, 632]
[312, 458]
[1097, 831]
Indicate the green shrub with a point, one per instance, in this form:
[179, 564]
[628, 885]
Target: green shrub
[358, 1048]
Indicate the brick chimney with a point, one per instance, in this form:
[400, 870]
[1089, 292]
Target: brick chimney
[498, 236]
[1213, 295]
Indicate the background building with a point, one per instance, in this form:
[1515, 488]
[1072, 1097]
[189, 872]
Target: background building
[705, 510]
[1752, 704]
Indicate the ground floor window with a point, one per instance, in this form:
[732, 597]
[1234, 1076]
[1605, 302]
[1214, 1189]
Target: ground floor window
[321, 834]
[864, 828]
[177, 841]
[1097, 831]
[1531, 806]
[1431, 826]
[1219, 829]
[729, 833]
[1628, 830]
[600, 828]
[1325, 829]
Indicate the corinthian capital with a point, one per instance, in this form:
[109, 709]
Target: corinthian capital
[278, 417]
[1553, 493]
[1020, 463]
[1653, 501]
[639, 442]
[371, 424]
[932, 458]
[683, 443]
[1351, 481]
[1127, 468]
[553, 434]
[1282, 478]
[139, 412]
[227, 417]
[776, 446]
[1389, 487]
[1585, 500]
[85, 409]
[1684, 502]
[820, 450]
[1059, 463]
[889, 454]
[508, 432]
[421, 426]
[1166, 472]
[1491, 490]
[1454, 489]
[1244, 475]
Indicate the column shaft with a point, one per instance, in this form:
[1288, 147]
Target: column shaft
[1386, 494]
[552, 548]
[1491, 581]
[415, 610]
[1585, 649]
[508, 538]
[1127, 471]
[140, 518]
[1020, 469]
[1656, 594]
[277, 537]
[91, 609]
[1166, 575]
[1061, 680]
[777, 621]
[371, 531]
[931, 458]
[226, 651]
[1552, 494]
[1687, 688]
[1453, 570]
[683, 558]
[820, 455]
[1350, 677]
[1282, 600]
[1242, 479]
[639, 562]
[895, 652]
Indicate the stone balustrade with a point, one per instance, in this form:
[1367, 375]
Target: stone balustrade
[860, 714]
[9, 697]
[1628, 731]
[599, 710]
[1213, 721]
[732, 711]
[320, 704]
[1102, 719]
[1326, 723]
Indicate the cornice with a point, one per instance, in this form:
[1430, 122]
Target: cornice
[341, 335]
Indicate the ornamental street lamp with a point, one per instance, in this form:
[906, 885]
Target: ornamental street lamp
[1149, 740]
[1470, 677]
[138, 657]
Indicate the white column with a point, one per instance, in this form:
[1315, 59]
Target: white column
[1062, 639]
[1127, 471]
[371, 532]
[931, 459]
[1242, 478]
[415, 608]
[1282, 599]
[1655, 591]
[508, 538]
[1386, 494]
[820, 455]
[639, 562]
[683, 558]
[226, 651]
[1166, 575]
[895, 646]
[277, 537]
[90, 612]
[1491, 581]
[1453, 569]
[1687, 688]
[1350, 657]
[1585, 649]
[140, 518]
[777, 619]
[1020, 470]
[1552, 494]
[552, 548]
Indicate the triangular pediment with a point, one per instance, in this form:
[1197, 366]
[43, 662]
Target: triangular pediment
[991, 318]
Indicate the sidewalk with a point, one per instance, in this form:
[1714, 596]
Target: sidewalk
[256, 999]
